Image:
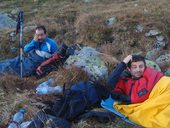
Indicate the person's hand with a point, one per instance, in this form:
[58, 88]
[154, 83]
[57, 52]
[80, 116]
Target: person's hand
[35, 37]
[38, 71]
[127, 59]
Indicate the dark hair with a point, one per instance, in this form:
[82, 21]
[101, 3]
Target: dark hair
[136, 58]
[41, 27]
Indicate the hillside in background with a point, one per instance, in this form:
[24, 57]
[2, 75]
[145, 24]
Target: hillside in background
[114, 27]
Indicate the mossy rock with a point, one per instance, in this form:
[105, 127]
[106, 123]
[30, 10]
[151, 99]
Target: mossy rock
[152, 64]
[167, 73]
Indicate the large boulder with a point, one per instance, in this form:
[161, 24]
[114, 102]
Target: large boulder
[6, 22]
[88, 60]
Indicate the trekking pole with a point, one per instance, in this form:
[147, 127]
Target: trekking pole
[19, 29]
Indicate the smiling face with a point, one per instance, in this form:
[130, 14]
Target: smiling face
[137, 69]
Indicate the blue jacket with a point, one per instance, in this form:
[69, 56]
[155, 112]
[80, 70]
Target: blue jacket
[49, 46]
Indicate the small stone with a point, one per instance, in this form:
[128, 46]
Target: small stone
[159, 44]
[153, 54]
[160, 38]
[13, 49]
[139, 28]
[15, 11]
[35, 10]
[152, 33]
[163, 58]
[145, 11]
[12, 36]
[136, 5]
[111, 21]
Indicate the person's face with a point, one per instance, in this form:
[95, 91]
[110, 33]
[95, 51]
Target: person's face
[40, 35]
[137, 69]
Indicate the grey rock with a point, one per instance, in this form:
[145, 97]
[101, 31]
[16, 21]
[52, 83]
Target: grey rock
[153, 54]
[15, 11]
[35, 10]
[88, 59]
[13, 49]
[160, 38]
[6, 22]
[145, 11]
[12, 36]
[135, 5]
[111, 21]
[159, 44]
[139, 28]
[163, 59]
[152, 33]
[167, 73]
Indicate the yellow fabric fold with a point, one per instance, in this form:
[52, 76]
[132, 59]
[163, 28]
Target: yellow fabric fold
[155, 111]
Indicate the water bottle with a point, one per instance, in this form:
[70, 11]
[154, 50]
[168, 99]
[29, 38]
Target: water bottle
[17, 119]
[44, 88]
[46, 83]
[49, 90]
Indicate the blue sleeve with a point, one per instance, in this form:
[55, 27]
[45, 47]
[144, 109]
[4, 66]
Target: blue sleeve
[115, 74]
[30, 46]
[54, 47]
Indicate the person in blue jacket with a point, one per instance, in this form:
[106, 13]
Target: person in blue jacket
[43, 45]
[39, 49]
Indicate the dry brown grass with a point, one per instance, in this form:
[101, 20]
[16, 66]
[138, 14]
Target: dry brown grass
[14, 95]
[109, 61]
[79, 22]
[11, 83]
[69, 76]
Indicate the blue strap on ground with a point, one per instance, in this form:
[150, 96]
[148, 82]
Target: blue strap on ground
[108, 104]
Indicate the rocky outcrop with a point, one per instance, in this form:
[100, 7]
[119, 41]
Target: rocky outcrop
[7, 23]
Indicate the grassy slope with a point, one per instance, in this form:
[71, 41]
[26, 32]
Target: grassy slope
[75, 21]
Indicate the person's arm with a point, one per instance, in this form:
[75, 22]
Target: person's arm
[30, 46]
[116, 73]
